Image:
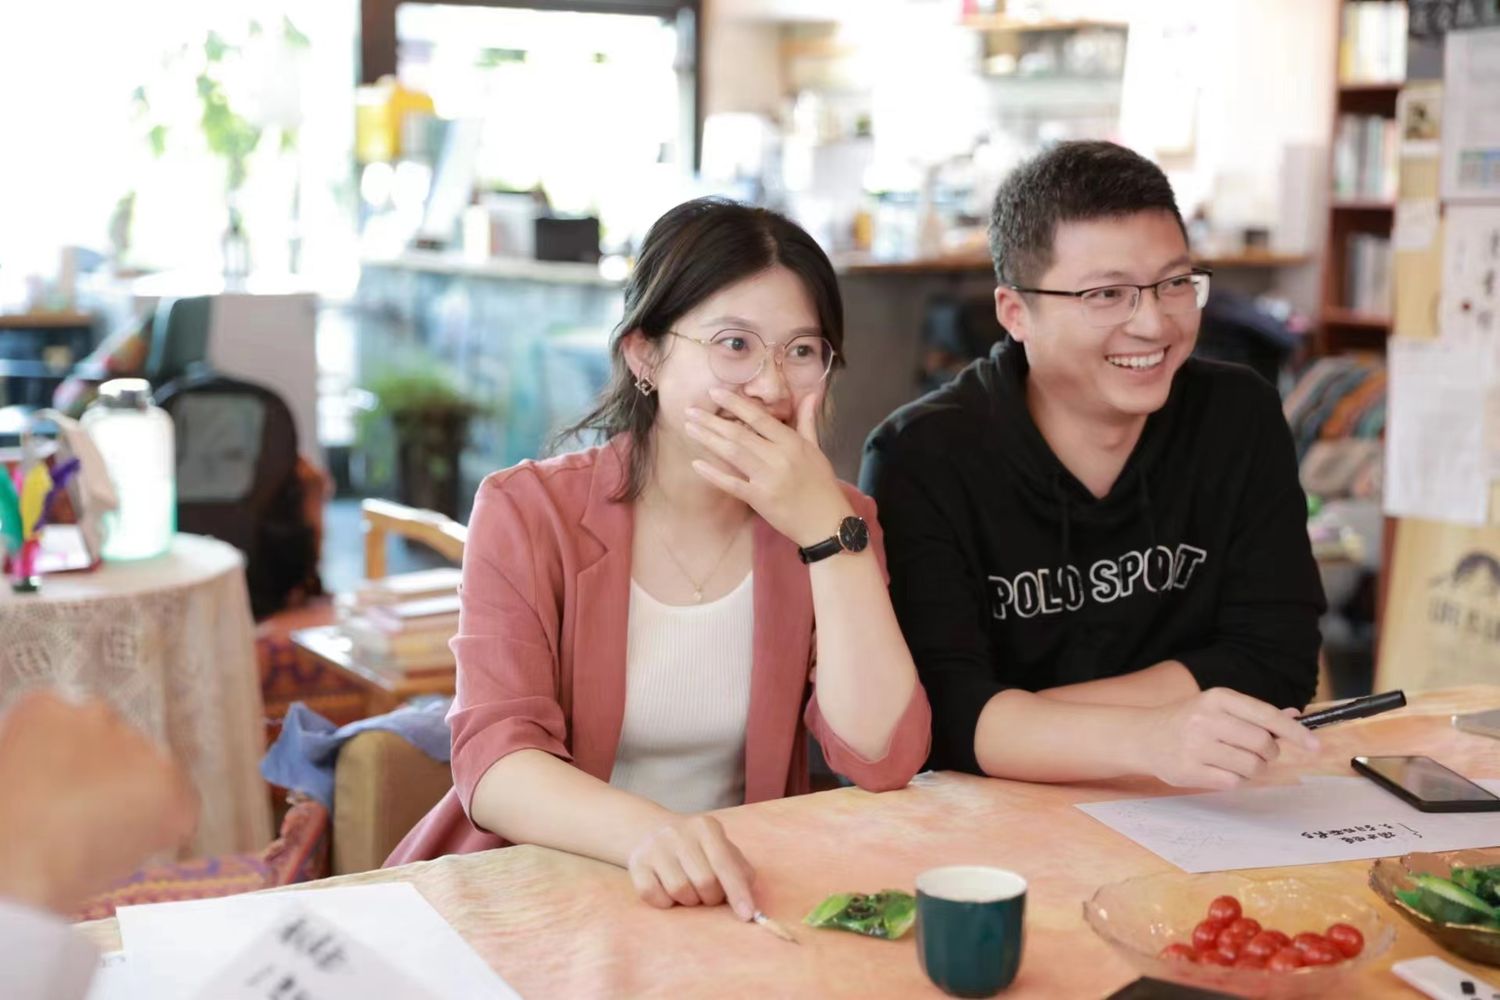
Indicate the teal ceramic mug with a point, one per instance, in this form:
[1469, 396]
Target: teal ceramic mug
[969, 921]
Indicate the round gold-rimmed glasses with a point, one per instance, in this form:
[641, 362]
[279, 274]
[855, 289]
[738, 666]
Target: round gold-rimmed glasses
[739, 356]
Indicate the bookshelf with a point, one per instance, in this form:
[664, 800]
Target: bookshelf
[1354, 313]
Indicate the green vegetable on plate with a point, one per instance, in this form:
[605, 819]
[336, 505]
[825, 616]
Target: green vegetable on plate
[1459, 899]
[1482, 882]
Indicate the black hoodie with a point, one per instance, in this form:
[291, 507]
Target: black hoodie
[1006, 572]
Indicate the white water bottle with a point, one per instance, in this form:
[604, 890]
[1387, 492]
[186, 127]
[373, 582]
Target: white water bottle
[137, 442]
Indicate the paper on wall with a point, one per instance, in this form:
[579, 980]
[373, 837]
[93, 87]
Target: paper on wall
[1470, 305]
[1419, 114]
[1416, 224]
[1471, 115]
[1437, 464]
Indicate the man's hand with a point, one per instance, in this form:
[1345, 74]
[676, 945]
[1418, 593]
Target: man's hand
[83, 799]
[1216, 739]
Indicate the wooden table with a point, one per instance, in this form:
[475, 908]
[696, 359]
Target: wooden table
[557, 925]
[384, 689]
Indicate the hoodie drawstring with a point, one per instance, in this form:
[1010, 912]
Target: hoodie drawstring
[1145, 496]
[1061, 495]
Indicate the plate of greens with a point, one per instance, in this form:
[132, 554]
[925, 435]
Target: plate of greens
[1452, 897]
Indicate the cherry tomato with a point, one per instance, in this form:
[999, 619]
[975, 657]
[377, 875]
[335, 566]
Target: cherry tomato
[1285, 960]
[1206, 935]
[1179, 953]
[1265, 944]
[1215, 958]
[1224, 909]
[1229, 944]
[1247, 961]
[1348, 940]
[1308, 939]
[1282, 941]
[1321, 954]
[1243, 929]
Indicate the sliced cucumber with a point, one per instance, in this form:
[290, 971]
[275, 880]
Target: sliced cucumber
[1446, 902]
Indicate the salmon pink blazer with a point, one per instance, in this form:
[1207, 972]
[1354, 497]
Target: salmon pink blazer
[542, 634]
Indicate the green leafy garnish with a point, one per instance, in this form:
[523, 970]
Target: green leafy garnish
[1482, 882]
[887, 914]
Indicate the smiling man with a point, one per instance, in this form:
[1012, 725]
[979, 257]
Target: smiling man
[1097, 543]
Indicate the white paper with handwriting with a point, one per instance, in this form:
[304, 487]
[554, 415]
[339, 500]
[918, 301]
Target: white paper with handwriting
[1322, 819]
[174, 950]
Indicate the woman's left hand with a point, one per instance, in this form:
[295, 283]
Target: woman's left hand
[786, 477]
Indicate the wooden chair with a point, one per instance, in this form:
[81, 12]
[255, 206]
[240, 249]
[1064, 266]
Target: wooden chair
[382, 518]
[382, 787]
[383, 784]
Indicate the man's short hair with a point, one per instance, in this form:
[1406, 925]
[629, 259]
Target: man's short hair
[1070, 182]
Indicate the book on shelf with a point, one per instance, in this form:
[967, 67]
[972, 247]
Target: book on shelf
[1372, 41]
[1367, 274]
[1365, 151]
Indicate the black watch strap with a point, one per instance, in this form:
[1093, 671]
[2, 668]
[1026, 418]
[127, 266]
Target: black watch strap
[821, 550]
[853, 535]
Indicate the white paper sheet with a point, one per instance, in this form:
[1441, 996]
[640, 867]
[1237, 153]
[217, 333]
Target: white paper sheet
[303, 956]
[1471, 114]
[112, 979]
[1416, 225]
[1317, 821]
[175, 949]
[1436, 461]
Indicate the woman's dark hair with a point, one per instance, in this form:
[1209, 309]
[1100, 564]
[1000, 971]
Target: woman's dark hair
[691, 252]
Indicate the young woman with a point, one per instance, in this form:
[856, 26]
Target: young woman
[637, 645]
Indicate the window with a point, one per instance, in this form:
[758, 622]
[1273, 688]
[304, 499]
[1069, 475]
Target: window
[598, 109]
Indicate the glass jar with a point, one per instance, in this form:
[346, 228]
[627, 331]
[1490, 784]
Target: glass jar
[137, 441]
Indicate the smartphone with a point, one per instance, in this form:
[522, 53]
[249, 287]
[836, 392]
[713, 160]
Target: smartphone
[1479, 723]
[1426, 784]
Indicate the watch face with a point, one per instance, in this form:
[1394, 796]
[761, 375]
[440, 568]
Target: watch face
[854, 535]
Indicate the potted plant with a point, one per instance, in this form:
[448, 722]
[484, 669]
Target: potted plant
[423, 416]
[247, 111]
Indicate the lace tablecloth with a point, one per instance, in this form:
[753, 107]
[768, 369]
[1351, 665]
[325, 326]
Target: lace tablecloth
[170, 643]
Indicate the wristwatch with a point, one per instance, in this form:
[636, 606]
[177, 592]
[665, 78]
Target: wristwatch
[853, 535]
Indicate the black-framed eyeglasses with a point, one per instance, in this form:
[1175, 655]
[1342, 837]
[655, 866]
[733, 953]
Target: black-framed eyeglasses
[739, 356]
[1111, 305]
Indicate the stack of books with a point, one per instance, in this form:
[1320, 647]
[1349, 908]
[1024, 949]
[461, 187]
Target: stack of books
[403, 623]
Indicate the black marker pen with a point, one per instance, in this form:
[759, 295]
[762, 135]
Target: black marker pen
[1357, 708]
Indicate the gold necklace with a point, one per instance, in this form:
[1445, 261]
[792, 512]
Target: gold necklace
[698, 587]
